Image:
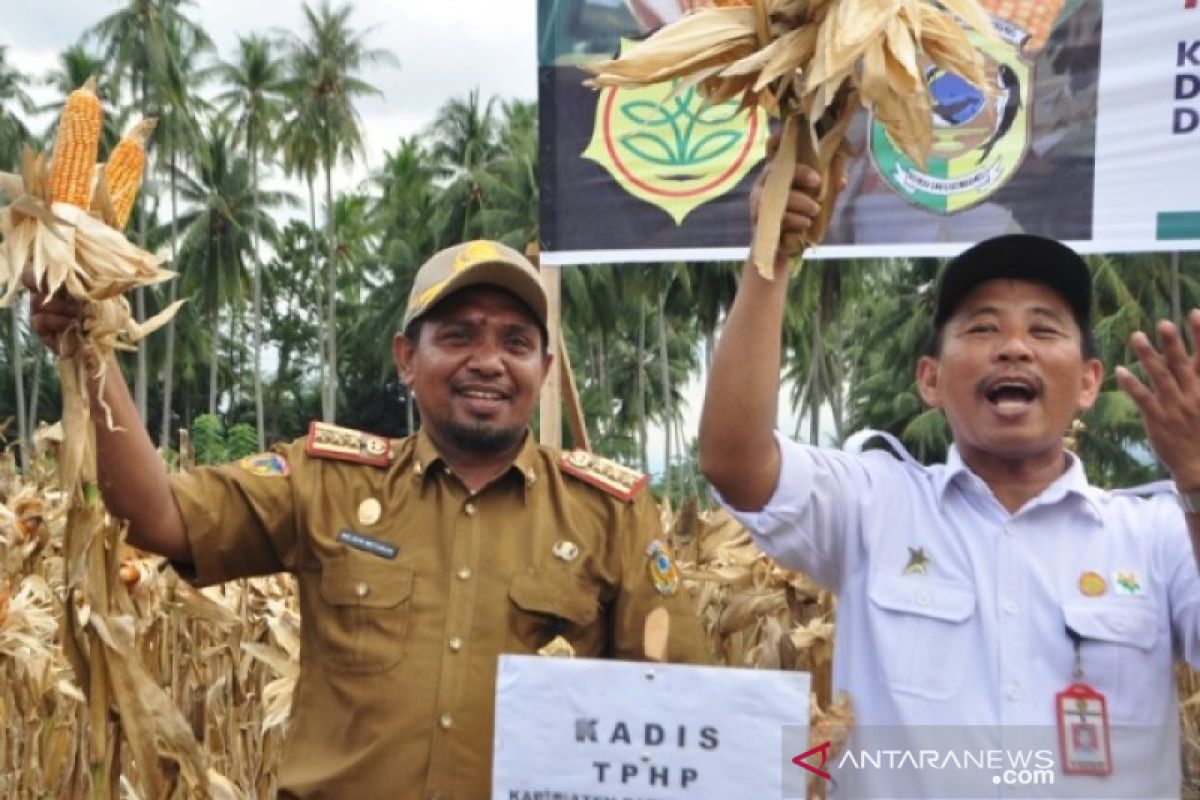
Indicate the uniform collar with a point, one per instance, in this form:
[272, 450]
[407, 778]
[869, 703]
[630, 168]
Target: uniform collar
[427, 459]
[1073, 482]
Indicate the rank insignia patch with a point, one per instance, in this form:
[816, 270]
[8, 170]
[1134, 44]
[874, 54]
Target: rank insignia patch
[663, 572]
[346, 444]
[609, 476]
[265, 465]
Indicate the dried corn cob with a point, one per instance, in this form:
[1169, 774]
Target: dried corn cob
[75, 147]
[811, 63]
[123, 172]
[1035, 17]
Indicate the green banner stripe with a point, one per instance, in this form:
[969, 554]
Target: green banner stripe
[1178, 225]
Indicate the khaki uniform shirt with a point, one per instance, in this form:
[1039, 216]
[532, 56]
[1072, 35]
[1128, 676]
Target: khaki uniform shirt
[399, 654]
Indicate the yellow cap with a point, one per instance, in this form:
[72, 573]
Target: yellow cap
[475, 263]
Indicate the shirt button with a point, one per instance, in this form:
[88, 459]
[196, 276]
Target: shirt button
[469, 508]
[1118, 625]
[1011, 607]
[923, 599]
[464, 574]
[445, 722]
[1013, 692]
[1008, 529]
[455, 644]
[361, 589]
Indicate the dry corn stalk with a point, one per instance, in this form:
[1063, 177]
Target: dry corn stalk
[811, 63]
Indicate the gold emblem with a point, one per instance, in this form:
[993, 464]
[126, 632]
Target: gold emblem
[664, 574]
[1091, 584]
[918, 562]
[369, 511]
[565, 551]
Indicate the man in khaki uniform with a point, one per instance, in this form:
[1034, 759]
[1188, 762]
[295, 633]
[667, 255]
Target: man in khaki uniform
[419, 561]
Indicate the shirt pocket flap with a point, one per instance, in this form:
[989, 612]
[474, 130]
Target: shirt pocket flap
[923, 596]
[1132, 623]
[554, 596]
[364, 584]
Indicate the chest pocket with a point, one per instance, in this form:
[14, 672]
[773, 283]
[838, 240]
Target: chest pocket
[364, 614]
[1117, 653]
[548, 604]
[922, 625]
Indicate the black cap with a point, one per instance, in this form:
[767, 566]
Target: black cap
[1019, 256]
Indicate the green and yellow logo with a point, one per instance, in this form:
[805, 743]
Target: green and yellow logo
[978, 143]
[674, 150]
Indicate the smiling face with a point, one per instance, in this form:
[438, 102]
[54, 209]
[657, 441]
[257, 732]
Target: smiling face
[1010, 374]
[476, 368]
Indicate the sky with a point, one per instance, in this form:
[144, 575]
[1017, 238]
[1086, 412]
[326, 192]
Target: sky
[445, 50]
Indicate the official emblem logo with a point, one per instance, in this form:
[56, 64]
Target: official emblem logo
[265, 465]
[675, 151]
[978, 143]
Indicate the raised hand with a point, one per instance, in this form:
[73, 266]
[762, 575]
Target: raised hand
[1170, 404]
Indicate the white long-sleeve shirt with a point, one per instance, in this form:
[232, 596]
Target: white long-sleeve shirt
[976, 639]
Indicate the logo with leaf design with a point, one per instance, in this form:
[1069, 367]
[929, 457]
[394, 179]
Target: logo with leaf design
[672, 148]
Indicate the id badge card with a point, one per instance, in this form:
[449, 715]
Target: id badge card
[1083, 741]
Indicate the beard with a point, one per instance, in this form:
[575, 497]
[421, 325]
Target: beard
[484, 439]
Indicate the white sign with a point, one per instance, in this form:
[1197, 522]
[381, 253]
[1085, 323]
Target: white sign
[579, 728]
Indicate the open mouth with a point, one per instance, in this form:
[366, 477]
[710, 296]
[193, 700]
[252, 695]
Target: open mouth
[1012, 395]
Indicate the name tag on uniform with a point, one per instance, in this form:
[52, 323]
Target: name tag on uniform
[367, 544]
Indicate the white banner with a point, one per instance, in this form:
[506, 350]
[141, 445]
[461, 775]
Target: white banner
[576, 728]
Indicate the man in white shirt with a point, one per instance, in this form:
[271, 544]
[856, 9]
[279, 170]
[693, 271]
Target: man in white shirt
[978, 595]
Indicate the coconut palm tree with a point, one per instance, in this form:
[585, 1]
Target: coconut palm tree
[464, 138]
[216, 233]
[179, 140]
[255, 99]
[142, 40]
[509, 185]
[324, 72]
[13, 136]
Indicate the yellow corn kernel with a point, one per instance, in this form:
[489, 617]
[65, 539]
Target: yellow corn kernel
[123, 172]
[75, 147]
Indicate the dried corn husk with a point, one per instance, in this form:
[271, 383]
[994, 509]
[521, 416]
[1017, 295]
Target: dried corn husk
[812, 63]
[68, 248]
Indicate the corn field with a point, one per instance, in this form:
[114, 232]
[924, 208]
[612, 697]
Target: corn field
[200, 681]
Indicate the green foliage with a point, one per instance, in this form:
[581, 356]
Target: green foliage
[215, 445]
[240, 441]
[208, 440]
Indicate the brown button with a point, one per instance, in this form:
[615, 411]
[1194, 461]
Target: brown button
[455, 644]
[445, 722]
[361, 589]
[464, 574]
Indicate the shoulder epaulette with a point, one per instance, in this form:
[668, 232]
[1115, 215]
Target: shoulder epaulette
[347, 444]
[608, 476]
